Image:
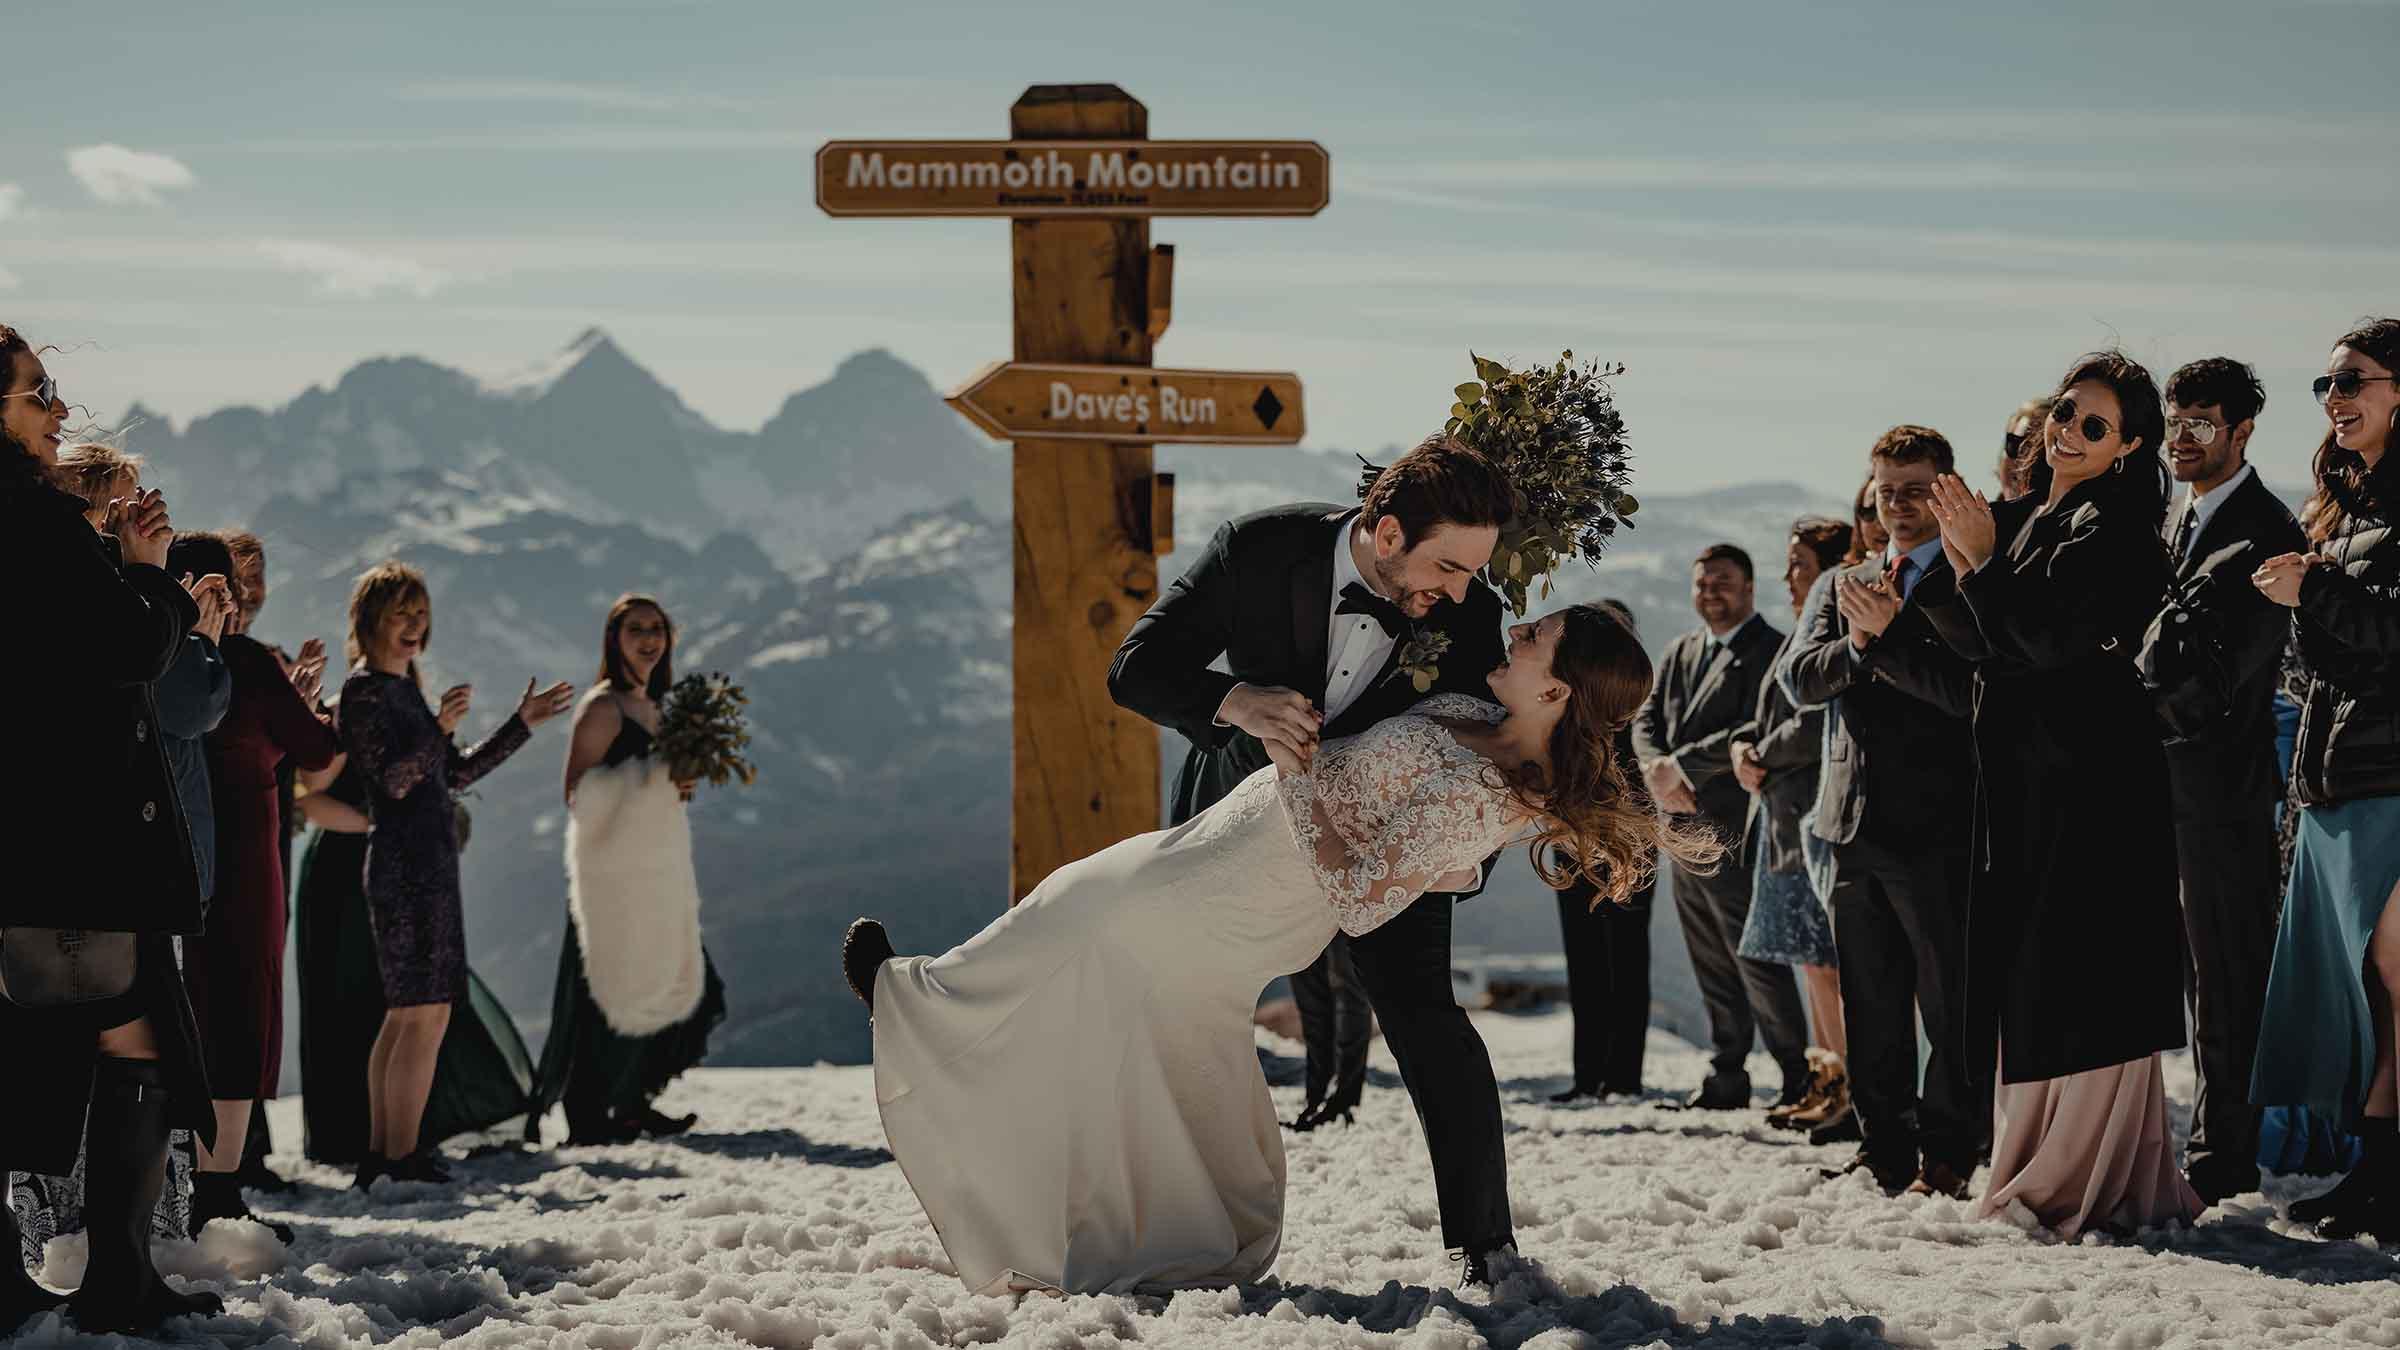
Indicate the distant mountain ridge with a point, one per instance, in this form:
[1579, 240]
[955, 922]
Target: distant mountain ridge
[849, 563]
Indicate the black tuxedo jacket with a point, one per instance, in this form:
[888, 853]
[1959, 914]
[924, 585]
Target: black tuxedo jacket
[2225, 768]
[1701, 699]
[1900, 762]
[1261, 597]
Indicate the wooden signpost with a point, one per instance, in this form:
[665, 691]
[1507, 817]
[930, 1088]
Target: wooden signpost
[1078, 179]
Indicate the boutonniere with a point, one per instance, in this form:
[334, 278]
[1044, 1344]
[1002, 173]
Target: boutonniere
[1420, 657]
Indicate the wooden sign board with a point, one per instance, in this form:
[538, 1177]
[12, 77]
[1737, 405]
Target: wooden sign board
[1132, 404]
[1029, 178]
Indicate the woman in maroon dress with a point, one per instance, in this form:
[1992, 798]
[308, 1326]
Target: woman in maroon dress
[235, 969]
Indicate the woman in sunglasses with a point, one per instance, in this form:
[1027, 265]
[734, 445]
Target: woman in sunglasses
[2074, 935]
[2326, 1039]
[100, 1043]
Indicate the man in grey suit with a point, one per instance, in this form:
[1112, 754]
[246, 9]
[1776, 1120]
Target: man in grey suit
[2221, 757]
[1704, 692]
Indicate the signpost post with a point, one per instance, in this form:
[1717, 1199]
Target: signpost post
[1078, 179]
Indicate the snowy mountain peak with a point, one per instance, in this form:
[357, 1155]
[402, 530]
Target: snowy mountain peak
[592, 347]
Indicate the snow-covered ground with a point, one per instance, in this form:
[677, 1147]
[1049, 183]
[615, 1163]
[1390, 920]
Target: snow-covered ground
[783, 1223]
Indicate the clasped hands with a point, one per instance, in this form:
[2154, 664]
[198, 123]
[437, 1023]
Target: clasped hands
[1284, 721]
[2279, 577]
[1669, 787]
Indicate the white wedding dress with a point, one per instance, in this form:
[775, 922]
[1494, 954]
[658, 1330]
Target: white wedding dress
[1074, 1092]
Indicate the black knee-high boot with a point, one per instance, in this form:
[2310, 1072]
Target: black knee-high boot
[21, 1298]
[2365, 1200]
[125, 1163]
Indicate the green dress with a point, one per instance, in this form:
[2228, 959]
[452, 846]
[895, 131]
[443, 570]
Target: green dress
[484, 1075]
[600, 1076]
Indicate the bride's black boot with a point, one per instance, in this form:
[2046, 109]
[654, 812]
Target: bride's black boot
[864, 950]
[125, 1157]
[21, 1298]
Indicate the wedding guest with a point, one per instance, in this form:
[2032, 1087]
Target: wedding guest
[1775, 758]
[1894, 800]
[235, 969]
[250, 583]
[1706, 690]
[196, 691]
[2213, 658]
[615, 1042]
[403, 749]
[482, 1075]
[2020, 447]
[101, 1045]
[2333, 996]
[2074, 941]
[1868, 538]
[1607, 947]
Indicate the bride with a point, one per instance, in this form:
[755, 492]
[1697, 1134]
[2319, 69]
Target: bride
[1073, 1092]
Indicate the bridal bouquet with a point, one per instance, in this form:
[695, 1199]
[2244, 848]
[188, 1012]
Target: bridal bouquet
[1555, 432]
[702, 729]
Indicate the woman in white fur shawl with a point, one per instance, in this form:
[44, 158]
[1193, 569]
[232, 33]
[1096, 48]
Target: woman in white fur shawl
[637, 995]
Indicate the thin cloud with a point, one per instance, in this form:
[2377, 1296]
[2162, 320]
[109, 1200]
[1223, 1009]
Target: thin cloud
[572, 93]
[8, 280]
[350, 274]
[120, 176]
[12, 199]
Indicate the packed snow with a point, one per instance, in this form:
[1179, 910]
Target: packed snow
[782, 1222]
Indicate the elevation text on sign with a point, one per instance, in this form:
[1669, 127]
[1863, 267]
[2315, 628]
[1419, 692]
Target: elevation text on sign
[1055, 178]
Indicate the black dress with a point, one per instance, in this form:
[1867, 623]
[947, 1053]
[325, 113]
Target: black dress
[602, 1076]
[410, 768]
[484, 1075]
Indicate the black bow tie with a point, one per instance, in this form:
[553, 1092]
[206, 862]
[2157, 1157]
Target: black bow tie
[1357, 599]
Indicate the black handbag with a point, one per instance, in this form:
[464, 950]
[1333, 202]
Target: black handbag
[64, 967]
[2183, 660]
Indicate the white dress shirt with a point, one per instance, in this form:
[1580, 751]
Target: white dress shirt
[1355, 645]
[2203, 506]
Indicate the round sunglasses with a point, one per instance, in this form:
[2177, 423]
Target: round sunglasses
[2347, 383]
[2094, 427]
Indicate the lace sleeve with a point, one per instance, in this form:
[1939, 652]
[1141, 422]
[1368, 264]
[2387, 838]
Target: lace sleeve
[1384, 815]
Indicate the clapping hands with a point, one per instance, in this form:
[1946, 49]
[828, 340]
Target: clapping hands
[140, 527]
[215, 599]
[1968, 535]
[307, 672]
[1868, 606]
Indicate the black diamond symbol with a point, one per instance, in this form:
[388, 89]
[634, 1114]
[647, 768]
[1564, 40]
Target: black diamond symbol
[1268, 408]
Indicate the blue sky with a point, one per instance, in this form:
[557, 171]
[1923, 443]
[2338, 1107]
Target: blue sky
[1796, 224]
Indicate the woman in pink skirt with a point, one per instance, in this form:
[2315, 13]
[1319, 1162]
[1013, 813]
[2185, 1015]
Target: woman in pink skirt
[2074, 935]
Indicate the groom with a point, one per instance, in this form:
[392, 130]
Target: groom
[1316, 611]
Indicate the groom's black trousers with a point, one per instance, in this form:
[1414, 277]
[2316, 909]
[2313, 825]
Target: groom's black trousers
[1335, 1026]
[1405, 966]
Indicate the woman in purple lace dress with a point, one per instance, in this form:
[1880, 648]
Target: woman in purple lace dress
[403, 749]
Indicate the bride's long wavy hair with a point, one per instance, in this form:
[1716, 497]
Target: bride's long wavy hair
[1595, 819]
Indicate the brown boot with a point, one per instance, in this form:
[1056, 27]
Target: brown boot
[1823, 1067]
[1834, 1101]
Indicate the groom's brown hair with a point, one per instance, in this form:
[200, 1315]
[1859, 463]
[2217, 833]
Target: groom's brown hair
[1443, 481]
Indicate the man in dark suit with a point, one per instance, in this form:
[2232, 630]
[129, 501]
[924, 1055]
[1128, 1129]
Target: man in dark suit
[1896, 800]
[2221, 760]
[1315, 612]
[1703, 694]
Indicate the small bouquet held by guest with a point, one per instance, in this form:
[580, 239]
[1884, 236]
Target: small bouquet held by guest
[702, 730]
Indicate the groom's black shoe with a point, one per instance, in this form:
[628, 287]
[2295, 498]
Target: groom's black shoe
[1720, 1092]
[1475, 1268]
[864, 950]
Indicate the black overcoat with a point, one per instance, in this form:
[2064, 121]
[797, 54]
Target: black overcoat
[2074, 938]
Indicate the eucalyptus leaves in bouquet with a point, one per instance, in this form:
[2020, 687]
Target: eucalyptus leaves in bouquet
[702, 730]
[1555, 433]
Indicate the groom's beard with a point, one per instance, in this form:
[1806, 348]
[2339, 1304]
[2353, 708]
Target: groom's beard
[1388, 583]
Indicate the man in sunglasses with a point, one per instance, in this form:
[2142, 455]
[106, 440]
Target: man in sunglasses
[2213, 658]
